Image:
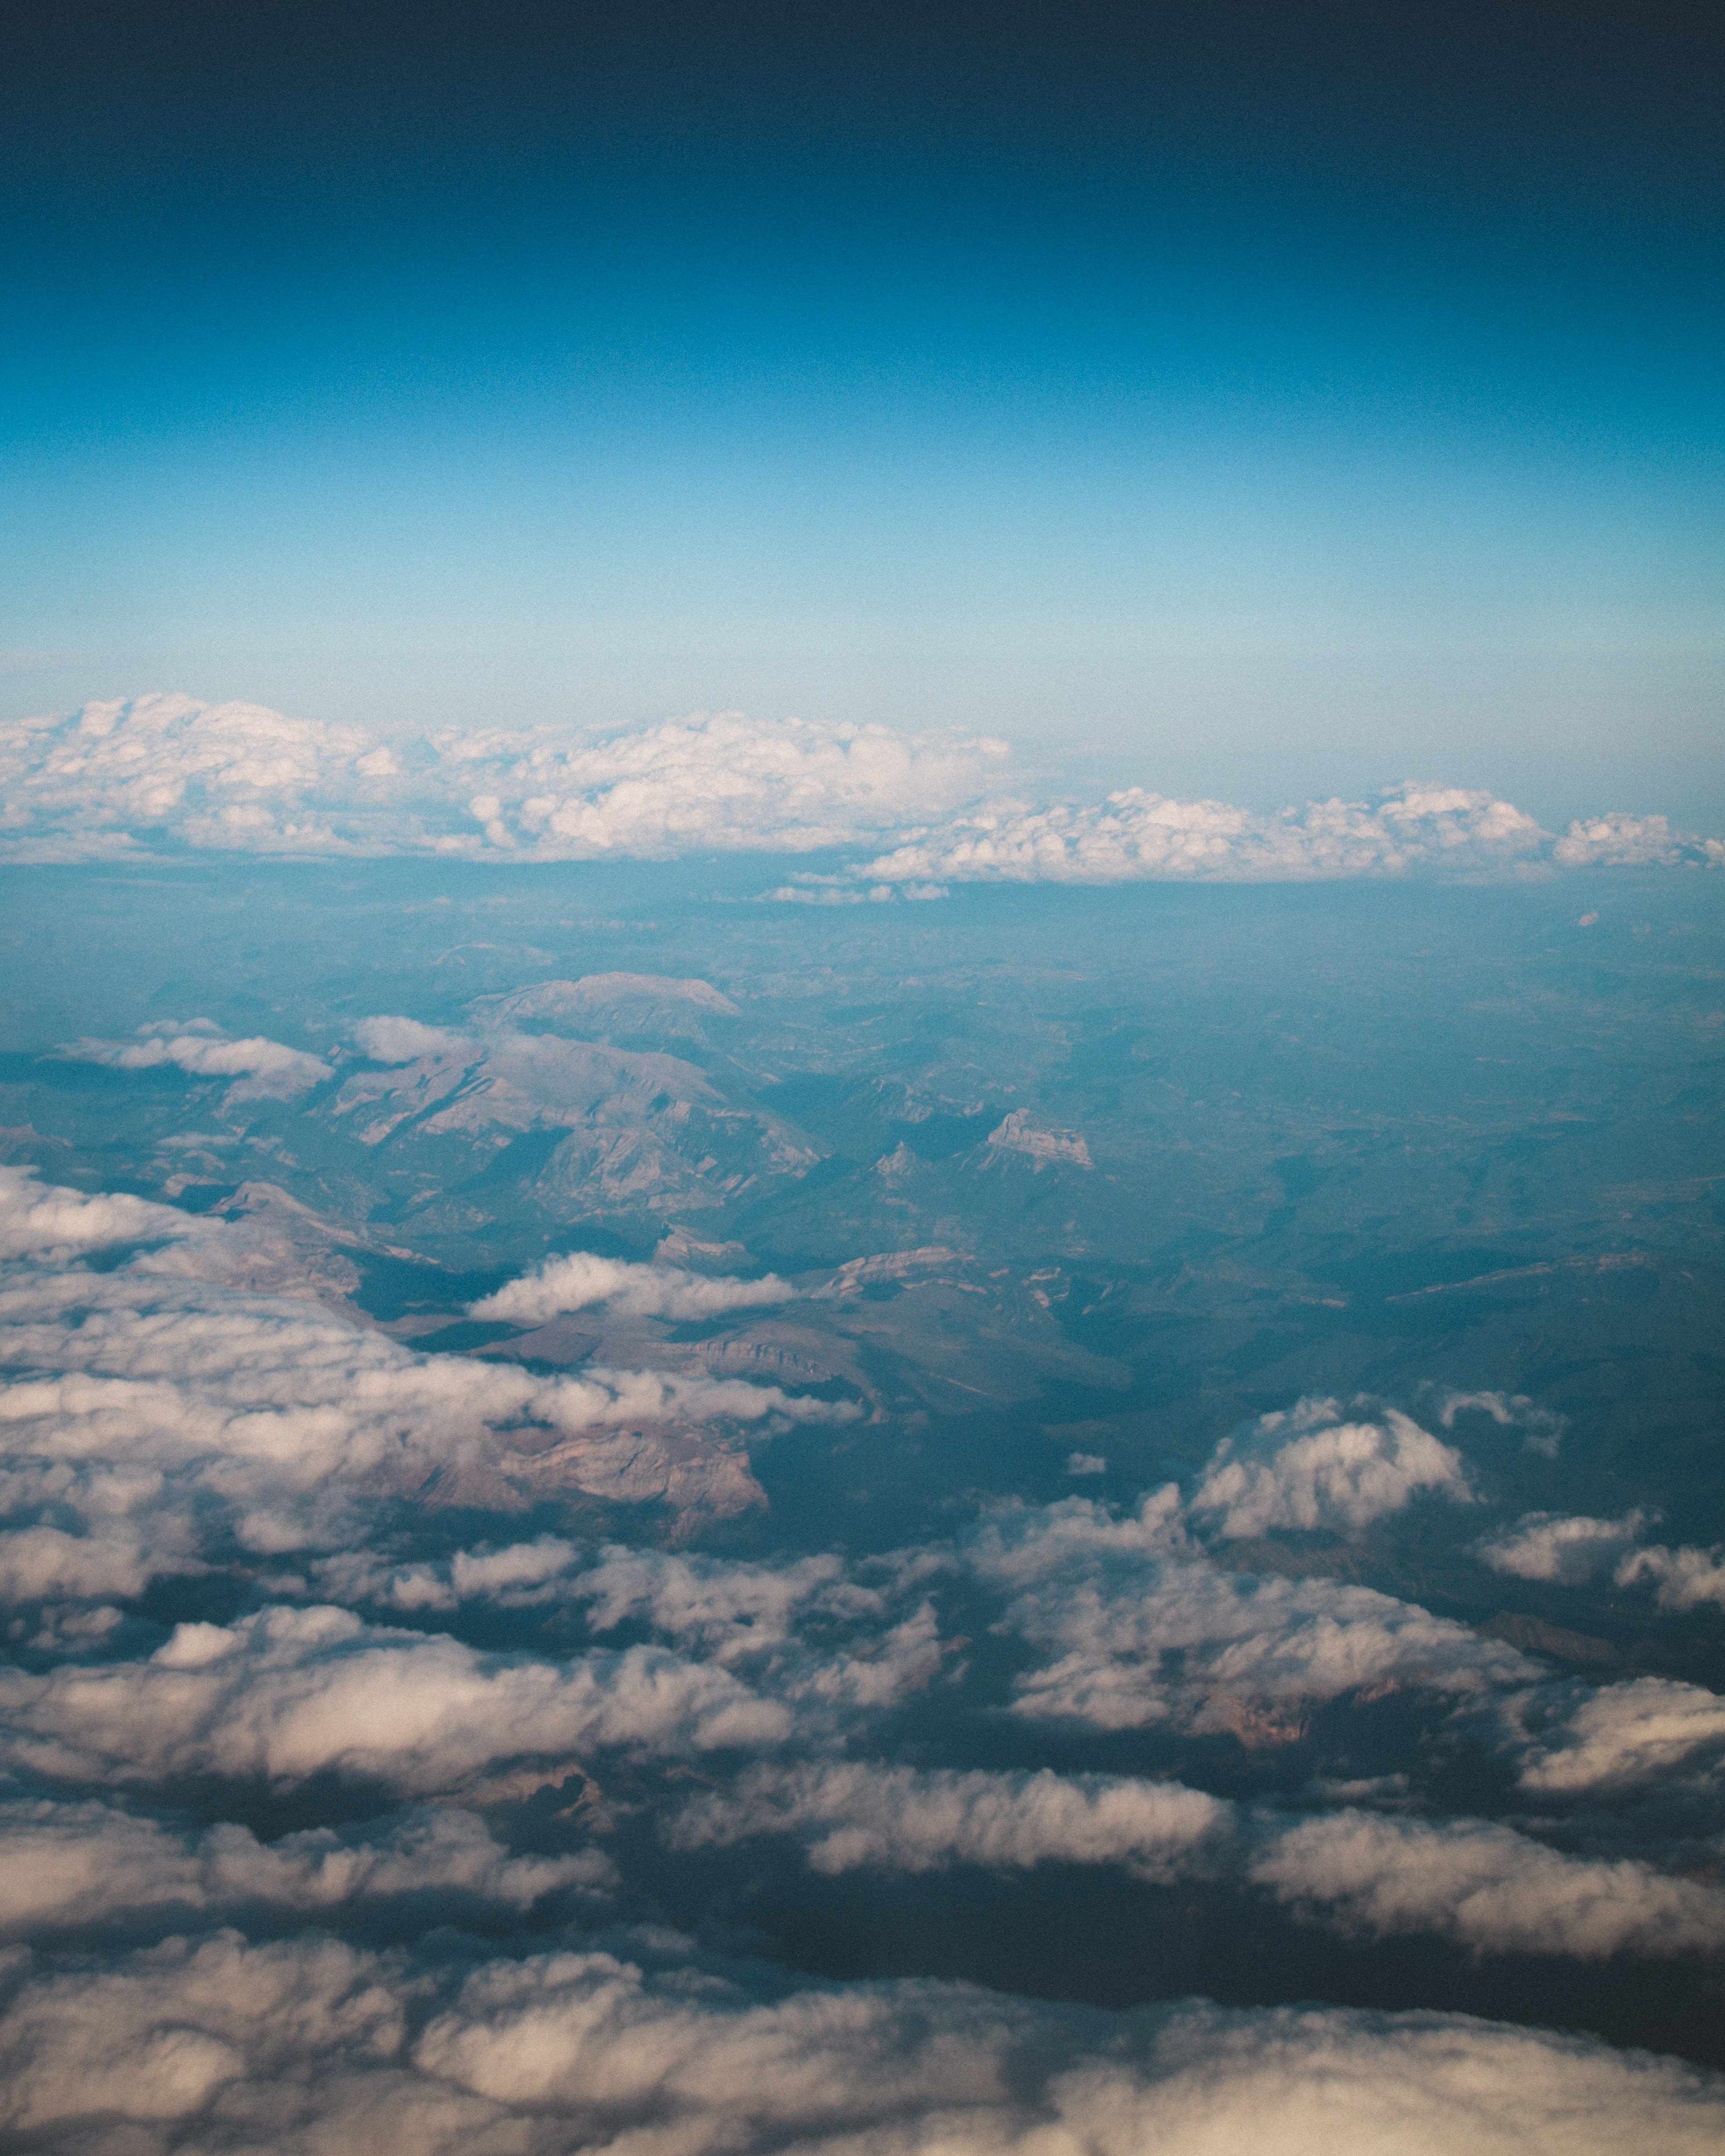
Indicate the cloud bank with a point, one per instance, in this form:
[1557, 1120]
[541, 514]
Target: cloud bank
[161, 773]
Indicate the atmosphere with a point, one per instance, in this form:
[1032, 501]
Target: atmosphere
[1243, 401]
[862, 1080]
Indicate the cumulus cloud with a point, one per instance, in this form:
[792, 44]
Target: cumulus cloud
[122, 776]
[74, 1865]
[723, 782]
[268, 1069]
[1136, 1627]
[1136, 836]
[286, 1694]
[1486, 1887]
[1619, 840]
[579, 1281]
[311, 2045]
[172, 772]
[1542, 1427]
[1683, 1578]
[399, 1040]
[1309, 1468]
[55, 1225]
[1616, 1738]
[1569, 1548]
[159, 1401]
[901, 1820]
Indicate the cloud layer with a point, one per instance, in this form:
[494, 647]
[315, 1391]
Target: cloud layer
[168, 772]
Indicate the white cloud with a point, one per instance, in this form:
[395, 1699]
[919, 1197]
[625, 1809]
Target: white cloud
[1649, 1730]
[1486, 1887]
[1544, 1427]
[164, 1401]
[405, 1040]
[55, 1225]
[130, 776]
[1619, 840]
[1135, 836]
[234, 777]
[1308, 1469]
[289, 1693]
[724, 781]
[1136, 1627]
[269, 1070]
[1569, 1548]
[308, 2046]
[897, 1819]
[1684, 1578]
[67, 1866]
[580, 1281]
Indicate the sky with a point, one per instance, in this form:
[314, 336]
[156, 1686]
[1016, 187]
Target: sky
[1232, 401]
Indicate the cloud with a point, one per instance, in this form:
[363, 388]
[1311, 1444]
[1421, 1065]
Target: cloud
[1544, 1428]
[74, 1865]
[1486, 1888]
[1480, 1884]
[164, 1403]
[1325, 1473]
[167, 772]
[901, 1819]
[1684, 1579]
[1136, 836]
[1568, 1549]
[202, 1050]
[286, 1694]
[311, 2044]
[54, 1225]
[404, 1040]
[724, 781]
[1136, 1626]
[124, 776]
[1577, 1742]
[1619, 840]
[579, 1282]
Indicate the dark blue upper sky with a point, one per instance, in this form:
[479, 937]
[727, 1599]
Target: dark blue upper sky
[1259, 400]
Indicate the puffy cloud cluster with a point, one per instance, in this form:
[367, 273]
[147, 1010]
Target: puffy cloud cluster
[1577, 1742]
[1569, 1548]
[123, 776]
[580, 1281]
[901, 1820]
[169, 771]
[1136, 836]
[1683, 1578]
[313, 2045]
[1486, 1887]
[286, 1694]
[1543, 1428]
[73, 1866]
[1136, 1627]
[1309, 1468]
[1622, 841]
[54, 1225]
[162, 1407]
[723, 782]
[267, 1068]
[1477, 1882]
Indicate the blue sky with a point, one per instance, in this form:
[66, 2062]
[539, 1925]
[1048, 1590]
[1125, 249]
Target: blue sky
[1264, 410]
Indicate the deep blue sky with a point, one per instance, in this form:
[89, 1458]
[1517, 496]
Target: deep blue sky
[1255, 400]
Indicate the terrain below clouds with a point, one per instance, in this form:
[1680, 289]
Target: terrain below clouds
[632, 1512]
